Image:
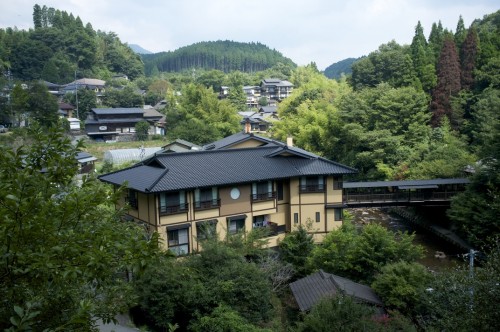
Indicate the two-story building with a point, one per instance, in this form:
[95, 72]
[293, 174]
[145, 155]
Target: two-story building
[233, 185]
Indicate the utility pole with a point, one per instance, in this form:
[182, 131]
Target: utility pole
[472, 254]
[76, 95]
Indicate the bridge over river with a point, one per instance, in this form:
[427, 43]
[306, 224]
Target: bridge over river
[433, 192]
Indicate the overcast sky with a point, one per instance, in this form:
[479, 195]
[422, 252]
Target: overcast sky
[323, 31]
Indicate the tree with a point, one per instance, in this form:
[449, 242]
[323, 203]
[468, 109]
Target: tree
[448, 84]
[224, 319]
[64, 249]
[19, 103]
[468, 56]
[141, 130]
[296, 248]
[341, 313]
[87, 100]
[401, 285]
[42, 105]
[461, 301]
[360, 255]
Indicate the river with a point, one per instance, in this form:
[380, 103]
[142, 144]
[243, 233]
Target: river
[434, 246]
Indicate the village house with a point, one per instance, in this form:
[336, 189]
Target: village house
[236, 184]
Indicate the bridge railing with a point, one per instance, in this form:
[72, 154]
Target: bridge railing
[400, 196]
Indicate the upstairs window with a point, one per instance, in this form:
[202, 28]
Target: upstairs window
[337, 183]
[206, 198]
[311, 184]
[173, 202]
[262, 191]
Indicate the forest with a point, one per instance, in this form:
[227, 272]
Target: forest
[425, 110]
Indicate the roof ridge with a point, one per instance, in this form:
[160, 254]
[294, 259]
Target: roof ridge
[157, 180]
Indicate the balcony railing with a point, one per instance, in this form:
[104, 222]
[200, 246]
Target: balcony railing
[263, 196]
[205, 205]
[165, 210]
[312, 188]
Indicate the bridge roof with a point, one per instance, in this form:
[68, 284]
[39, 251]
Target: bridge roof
[407, 184]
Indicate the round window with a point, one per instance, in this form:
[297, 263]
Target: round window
[235, 193]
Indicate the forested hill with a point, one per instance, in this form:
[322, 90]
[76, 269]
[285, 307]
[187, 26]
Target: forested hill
[222, 55]
[336, 70]
[60, 46]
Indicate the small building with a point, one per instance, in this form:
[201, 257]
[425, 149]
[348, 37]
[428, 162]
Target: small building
[275, 89]
[180, 145]
[66, 110]
[309, 290]
[74, 124]
[86, 162]
[108, 123]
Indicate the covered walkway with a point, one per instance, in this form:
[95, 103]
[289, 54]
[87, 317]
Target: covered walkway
[402, 193]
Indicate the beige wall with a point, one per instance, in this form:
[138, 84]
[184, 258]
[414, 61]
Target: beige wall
[231, 206]
[280, 212]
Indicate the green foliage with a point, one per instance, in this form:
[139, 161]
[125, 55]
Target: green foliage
[360, 254]
[224, 319]
[336, 70]
[142, 130]
[200, 117]
[182, 291]
[87, 100]
[61, 44]
[126, 97]
[341, 313]
[42, 105]
[296, 248]
[64, 249]
[401, 284]
[391, 64]
[459, 302]
[220, 55]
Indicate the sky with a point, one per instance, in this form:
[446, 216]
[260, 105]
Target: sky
[320, 31]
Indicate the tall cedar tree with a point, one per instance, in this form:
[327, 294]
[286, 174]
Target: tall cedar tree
[469, 53]
[448, 85]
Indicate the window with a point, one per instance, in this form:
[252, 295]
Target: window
[178, 240]
[173, 202]
[260, 221]
[279, 189]
[206, 229]
[262, 191]
[337, 183]
[206, 198]
[337, 214]
[132, 198]
[318, 216]
[310, 184]
[236, 225]
[296, 218]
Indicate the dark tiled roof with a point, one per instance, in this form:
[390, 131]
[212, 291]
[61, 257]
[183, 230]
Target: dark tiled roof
[188, 170]
[238, 138]
[310, 290]
[100, 111]
[115, 120]
[407, 183]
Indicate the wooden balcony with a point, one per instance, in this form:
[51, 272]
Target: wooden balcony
[263, 197]
[312, 188]
[206, 205]
[174, 209]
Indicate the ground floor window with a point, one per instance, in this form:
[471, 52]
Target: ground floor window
[260, 221]
[178, 241]
[236, 225]
[206, 229]
[337, 214]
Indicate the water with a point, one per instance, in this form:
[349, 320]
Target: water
[439, 254]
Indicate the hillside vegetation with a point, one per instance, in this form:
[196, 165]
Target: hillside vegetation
[221, 55]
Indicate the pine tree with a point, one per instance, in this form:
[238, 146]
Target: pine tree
[448, 82]
[469, 53]
[460, 32]
[37, 16]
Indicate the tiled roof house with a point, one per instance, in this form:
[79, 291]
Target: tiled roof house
[241, 182]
